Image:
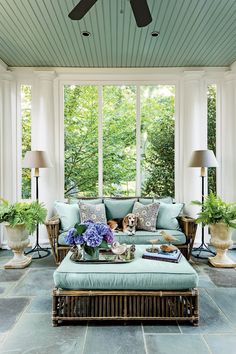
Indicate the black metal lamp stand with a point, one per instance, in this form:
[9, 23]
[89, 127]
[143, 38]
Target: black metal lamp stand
[203, 246]
[37, 248]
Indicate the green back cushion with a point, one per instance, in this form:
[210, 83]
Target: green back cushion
[145, 201]
[167, 216]
[116, 209]
[86, 201]
[68, 214]
[167, 200]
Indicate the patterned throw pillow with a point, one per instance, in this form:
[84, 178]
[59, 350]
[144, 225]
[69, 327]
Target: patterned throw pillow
[147, 215]
[94, 212]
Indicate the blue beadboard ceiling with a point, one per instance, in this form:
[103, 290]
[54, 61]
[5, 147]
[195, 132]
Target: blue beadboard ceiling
[192, 33]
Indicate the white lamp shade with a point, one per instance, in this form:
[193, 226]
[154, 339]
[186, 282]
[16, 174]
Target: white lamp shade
[36, 159]
[203, 158]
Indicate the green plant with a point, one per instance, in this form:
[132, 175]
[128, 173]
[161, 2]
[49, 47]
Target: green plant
[215, 210]
[17, 213]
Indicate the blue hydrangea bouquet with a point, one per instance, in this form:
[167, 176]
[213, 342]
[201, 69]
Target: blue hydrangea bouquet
[90, 236]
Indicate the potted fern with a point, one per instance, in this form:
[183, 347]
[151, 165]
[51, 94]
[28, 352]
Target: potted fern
[20, 220]
[221, 218]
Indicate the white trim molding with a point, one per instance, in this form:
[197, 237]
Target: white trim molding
[3, 66]
[48, 116]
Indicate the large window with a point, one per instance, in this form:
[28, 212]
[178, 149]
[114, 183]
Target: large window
[211, 125]
[81, 140]
[26, 138]
[157, 137]
[119, 140]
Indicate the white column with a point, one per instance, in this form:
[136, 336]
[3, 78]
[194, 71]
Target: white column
[227, 146]
[43, 138]
[193, 133]
[8, 140]
[193, 136]
[228, 133]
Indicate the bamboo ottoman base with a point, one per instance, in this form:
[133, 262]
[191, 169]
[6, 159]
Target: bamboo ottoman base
[140, 290]
[76, 305]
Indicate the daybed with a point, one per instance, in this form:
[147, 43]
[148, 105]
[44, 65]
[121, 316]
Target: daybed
[182, 227]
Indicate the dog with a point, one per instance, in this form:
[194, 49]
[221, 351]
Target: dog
[128, 224]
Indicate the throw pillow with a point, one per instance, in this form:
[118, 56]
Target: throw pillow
[147, 215]
[167, 216]
[94, 212]
[118, 208]
[68, 214]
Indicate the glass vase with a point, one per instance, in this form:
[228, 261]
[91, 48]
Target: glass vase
[88, 257]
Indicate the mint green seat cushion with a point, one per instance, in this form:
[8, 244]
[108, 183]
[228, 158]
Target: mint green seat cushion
[141, 274]
[116, 209]
[143, 237]
[167, 216]
[61, 239]
[140, 238]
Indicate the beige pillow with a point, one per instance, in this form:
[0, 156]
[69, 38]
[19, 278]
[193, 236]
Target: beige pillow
[147, 215]
[94, 212]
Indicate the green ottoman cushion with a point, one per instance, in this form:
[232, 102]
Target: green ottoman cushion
[141, 274]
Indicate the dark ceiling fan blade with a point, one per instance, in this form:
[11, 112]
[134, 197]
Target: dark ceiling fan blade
[81, 9]
[141, 12]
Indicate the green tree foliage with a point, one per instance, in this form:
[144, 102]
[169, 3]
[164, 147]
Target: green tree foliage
[211, 116]
[81, 140]
[158, 130]
[26, 137]
[119, 140]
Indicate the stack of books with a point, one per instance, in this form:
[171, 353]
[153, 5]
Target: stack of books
[174, 256]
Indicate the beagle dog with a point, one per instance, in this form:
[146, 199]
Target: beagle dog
[127, 224]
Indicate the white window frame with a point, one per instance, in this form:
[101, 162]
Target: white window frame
[100, 84]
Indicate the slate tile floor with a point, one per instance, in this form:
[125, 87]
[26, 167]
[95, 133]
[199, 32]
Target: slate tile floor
[25, 323]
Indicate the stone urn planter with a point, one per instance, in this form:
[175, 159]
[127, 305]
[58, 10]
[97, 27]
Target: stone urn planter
[221, 240]
[17, 240]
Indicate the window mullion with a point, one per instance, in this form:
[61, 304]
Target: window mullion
[100, 142]
[138, 142]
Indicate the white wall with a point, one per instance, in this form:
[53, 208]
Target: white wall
[47, 124]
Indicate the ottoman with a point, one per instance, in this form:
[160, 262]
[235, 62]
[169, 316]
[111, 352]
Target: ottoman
[140, 290]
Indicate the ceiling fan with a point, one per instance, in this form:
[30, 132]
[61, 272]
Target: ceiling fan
[139, 7]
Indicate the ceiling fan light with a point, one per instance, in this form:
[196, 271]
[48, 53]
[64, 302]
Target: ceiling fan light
[155, 33]
[86, 33]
